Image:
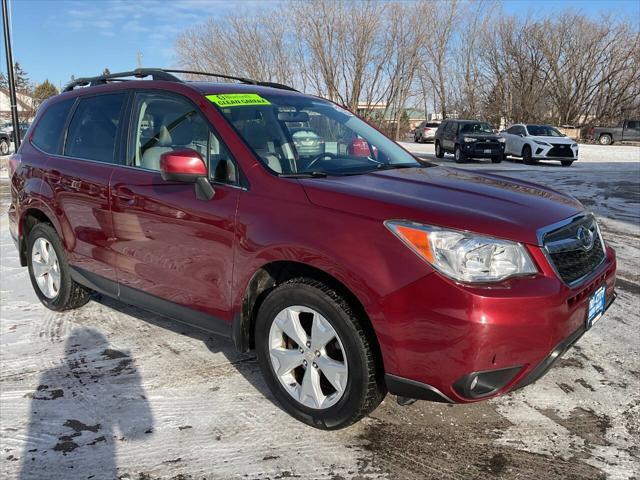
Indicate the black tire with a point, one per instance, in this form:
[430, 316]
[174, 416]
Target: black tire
[458, 155]
[566, 163]
[605, 139]
[365, 387]
[70, 294]
[526, 155]
[439, 150]
[4, 146]
[496, 159]
[415, 139]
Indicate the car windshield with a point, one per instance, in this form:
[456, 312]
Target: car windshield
[478, 127]
[543, 131]
[298, 135]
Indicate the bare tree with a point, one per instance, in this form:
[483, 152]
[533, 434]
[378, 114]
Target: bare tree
[442, 23]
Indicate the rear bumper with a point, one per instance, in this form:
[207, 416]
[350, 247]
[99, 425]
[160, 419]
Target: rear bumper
[441, 341]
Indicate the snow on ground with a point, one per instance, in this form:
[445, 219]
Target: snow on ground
[110, 391]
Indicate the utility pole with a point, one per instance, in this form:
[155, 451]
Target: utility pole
[12, 83]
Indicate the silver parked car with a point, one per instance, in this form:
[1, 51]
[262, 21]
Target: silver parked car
[308, 143]
[425, 132]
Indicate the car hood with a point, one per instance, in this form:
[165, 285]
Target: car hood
[481, 136]
[449, 197]
[558, 140]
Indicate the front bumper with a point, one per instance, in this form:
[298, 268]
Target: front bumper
[511, 333]
[554, 152]
[479, 150]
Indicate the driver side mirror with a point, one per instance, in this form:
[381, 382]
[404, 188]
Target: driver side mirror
[187, 166]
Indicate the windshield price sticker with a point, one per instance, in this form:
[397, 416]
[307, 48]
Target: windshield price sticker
[237, 99]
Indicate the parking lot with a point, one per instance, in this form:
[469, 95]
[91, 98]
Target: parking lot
[111, 391]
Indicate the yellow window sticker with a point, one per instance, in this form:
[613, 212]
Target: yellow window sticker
[238, 99]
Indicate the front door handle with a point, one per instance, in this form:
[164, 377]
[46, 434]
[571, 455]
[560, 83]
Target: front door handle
[125, 196]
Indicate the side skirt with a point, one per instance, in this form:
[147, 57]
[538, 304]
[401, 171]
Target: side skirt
[146, 301]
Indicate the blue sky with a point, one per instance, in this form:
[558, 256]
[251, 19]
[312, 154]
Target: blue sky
[57, 38]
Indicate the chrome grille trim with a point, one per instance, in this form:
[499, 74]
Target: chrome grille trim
[567, 249]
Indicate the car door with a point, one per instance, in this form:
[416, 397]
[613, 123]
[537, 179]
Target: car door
[80, 183]
[450, 133]
[519, 138]
[509, 140]
[632, 131]
[174, 251]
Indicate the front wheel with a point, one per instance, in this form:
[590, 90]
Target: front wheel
[316, 356]
[458, 156]
[49, 271]
[566, 163]
[527, 158]
[4, 146]
[496, 159]
[439, 150]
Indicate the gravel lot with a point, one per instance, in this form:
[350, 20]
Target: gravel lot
[110, 391]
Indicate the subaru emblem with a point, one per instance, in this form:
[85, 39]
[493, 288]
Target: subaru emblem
[585, 237]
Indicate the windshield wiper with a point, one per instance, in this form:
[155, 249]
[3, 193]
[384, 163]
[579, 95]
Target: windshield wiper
[391, 166]
[314, 174]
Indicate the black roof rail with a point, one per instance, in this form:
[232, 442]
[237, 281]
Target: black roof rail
[231, 77]
[164, 74]
[155, 73]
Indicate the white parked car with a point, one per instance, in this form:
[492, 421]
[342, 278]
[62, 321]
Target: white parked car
[539, 142]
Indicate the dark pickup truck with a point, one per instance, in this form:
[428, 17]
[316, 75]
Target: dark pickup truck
[625, 131]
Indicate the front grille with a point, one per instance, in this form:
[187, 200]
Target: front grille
[576, 249]
[560, 150]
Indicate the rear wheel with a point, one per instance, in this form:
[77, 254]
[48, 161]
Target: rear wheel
[459, 157]
[605, 139]
[566, 163]
[315, 355]
[49, 271]
[526, 155]
[439, 150]
[4, 146]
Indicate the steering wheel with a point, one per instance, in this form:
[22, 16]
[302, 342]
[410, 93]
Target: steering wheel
[317, 158]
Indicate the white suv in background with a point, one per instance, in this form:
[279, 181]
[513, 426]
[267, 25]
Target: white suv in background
[539, 142]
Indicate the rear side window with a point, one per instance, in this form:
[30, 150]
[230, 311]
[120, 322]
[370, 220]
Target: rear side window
[93, 130]
[48, 131]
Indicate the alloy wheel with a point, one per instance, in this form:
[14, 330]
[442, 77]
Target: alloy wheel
[46, 268]
[307, 357]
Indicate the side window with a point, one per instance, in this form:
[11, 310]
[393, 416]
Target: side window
[93, 129]
[48, 133]
[633, 125]
[513, 130]
[164, 123]
[522, 130]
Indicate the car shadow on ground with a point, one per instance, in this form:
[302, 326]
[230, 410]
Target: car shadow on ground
[245, 363]
[78, 407]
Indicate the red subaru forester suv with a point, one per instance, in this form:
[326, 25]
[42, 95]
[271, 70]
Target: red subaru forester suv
[351, 272]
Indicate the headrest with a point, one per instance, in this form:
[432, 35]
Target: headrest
[164, 137]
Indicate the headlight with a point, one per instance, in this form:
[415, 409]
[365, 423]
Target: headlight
[469, 139]
[539, 142]
[574, 145]
[501, 140]
[464, 256]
